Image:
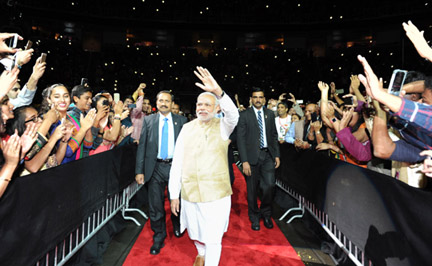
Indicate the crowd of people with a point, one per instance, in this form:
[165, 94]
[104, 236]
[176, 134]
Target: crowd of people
[372, 129]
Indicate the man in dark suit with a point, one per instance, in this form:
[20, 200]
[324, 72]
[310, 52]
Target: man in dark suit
[153, 163]
[257, 142]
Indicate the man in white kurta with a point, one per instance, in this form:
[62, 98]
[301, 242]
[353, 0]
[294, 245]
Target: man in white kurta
[200, 171]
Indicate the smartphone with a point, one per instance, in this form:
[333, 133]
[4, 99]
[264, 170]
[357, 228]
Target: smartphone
[84, 81]
[340, 91]
[13, 41]
[299, 101]
[314, 117]
[132, 105]
[348, 101]
[116, 97]
[13, 62]
[43, 57]
[396, 82]
[28, 45]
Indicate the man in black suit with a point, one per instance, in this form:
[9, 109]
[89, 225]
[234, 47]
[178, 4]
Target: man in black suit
[257, 142]
[153, 163]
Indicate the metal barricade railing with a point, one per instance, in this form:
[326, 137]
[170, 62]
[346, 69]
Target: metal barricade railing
[353, 252]
[83, 233]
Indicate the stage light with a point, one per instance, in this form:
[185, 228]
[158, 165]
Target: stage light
[102, 79]
[106, 64]
[157, 9]
[331, 17]
[115, 81]
[267, 6]
[112, 63]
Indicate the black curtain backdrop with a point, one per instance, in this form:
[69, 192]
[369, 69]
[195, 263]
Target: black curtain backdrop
[38, 211]
[386, 218]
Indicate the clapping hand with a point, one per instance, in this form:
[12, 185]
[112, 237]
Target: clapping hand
[87, 121]
[11, 150]
[28, 138]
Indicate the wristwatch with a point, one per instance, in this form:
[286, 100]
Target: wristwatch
[333, 120]
[222, 95]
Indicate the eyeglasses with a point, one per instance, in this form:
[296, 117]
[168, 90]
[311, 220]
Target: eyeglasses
[34, 120]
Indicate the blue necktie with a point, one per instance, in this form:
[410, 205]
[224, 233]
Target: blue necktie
[260, 123]
[164, 140]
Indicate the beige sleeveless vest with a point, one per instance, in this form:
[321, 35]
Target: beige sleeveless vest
[205, 174]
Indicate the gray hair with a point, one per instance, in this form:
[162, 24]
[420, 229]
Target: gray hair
[214, 96]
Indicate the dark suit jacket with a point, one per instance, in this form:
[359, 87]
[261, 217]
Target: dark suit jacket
[248, 135]
[149, 141]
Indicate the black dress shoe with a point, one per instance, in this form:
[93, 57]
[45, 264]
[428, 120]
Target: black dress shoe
[177, 233]
[155, 249]
[268, 222]
[255, 226]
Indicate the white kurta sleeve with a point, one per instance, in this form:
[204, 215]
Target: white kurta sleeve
[174, 183]
[229, 121]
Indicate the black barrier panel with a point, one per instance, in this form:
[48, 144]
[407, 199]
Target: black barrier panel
[386, 218]
[38, 211]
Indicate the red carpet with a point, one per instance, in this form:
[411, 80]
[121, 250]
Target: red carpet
[240, 245]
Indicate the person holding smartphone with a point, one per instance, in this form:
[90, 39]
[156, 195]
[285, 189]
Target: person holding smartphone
[22, 97]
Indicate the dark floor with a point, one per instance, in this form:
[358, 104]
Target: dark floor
[304, 240]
